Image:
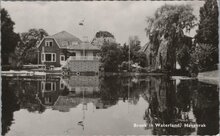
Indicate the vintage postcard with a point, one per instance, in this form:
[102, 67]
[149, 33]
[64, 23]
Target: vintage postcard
[109, 68]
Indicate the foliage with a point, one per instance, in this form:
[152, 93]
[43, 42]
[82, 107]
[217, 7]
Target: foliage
[136, 55]
[9, 38]
[102, 37]
[124, 65]
[134, 43]
[171, 20]
[141, 59]
[27, 49]
[183, 56]
[103, 34]
[207, 32]
[169, 23]
[208, 26]
[9, 106]
[125, 52]
[201, 56]
[110, 57]
[183, 53]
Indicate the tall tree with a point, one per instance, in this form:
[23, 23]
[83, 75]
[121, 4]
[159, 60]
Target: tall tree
[27, 49]
[207, 34]
[166, 30]
[110, 56]
[9, 39]
[134, 43]
[102, 37]
[137, 56]
[125, 52]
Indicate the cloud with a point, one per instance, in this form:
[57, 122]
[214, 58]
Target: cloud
[121, 18]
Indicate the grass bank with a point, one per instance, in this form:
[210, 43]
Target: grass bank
[211, 77]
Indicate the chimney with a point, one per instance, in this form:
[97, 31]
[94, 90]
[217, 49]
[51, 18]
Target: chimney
[85, 39]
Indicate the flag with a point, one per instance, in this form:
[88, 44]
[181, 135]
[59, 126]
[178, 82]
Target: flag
[81, 22]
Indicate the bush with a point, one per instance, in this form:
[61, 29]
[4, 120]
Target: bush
[204, 56]
[110, 57]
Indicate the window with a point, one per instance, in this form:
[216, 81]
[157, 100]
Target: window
[73, 54]
[62, 58]
[48, 100]
[48, 57]
[74, 43]
[61, 85]
[50, 86]
[83, 53]
[49, 43]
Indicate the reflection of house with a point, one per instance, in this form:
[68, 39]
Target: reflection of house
[56, 49]
[64, 103]
[50, 89]
[82, 89]
[78, 84]
[64, 94]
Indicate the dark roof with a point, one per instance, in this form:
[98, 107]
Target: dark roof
[104, 34]
[69, 38]
[64, 36]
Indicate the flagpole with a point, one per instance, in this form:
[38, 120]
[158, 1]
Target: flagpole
[83, 37]
[129, 57]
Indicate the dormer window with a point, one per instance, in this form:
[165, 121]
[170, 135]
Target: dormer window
[49, 43]
[64, 43]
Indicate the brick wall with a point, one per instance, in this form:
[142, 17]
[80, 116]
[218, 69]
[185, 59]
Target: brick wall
[82, 81]
[84, 65]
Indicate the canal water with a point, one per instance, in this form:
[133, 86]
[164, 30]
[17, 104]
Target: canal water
[92, 105]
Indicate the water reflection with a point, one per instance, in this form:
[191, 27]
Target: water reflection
[118, 102]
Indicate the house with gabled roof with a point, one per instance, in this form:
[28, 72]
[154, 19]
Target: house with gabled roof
[56, 49]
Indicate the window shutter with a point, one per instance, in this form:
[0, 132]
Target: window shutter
[54, 57]
[53, 86]
[42, 86]
[42, 57]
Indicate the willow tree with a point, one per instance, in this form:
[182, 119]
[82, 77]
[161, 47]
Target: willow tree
[167, 28]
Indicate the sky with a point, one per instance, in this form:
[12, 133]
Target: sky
[121, 18]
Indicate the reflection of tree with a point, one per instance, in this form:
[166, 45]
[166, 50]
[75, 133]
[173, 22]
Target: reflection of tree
[184, 95]
[110, 90]
[26, 92]
[206, 109]
[163, 106]
[115, 88]
[167, 105]
[65, 91]
[28, 98]
[9, 105]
